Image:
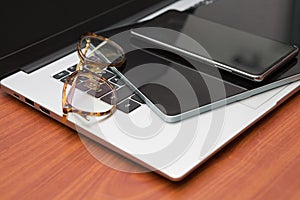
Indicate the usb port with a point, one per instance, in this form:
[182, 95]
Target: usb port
[16, 95]
[28, 101]
[44, 110]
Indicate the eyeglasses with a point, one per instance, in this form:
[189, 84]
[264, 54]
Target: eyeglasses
[96, 53]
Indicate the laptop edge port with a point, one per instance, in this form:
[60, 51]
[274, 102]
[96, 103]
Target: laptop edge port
[28, 101]
[44, 110]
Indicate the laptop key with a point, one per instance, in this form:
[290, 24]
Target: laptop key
[108, 98]
[128, 106]
[83, 78]
[122, 94]
[82, 87]
[104, 89]
[137, 98]
[117, 81]
[107, 75]
[64, 79]
[72, 69]
[71, 81]
[61, 74]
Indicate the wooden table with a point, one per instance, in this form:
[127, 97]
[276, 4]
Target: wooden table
[42, 159]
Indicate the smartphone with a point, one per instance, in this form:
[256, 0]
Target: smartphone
[250, 56]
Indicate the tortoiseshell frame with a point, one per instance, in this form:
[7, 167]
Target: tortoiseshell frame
[66, 98]
[85, 60]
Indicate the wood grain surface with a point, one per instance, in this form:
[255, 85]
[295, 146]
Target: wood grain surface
[42, 159]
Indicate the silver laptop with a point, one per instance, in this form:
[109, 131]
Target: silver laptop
[173, 150]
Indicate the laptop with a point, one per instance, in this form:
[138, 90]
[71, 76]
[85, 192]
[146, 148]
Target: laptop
[172, 150]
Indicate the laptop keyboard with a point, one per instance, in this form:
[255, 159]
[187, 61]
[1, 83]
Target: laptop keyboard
[127, 100]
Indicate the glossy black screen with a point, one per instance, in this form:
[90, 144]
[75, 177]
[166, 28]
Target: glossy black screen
[32, 30]
[241, 50]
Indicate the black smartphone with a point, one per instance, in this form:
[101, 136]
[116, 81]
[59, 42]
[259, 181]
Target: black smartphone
[241, 53]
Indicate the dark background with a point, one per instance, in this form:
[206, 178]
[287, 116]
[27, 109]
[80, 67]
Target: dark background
[51, 25]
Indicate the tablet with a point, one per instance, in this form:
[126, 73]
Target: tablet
[247, 55]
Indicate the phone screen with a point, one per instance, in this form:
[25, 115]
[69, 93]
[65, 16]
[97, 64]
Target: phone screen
[242, 53]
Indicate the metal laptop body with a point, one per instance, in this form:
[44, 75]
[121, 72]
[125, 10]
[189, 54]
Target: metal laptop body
[173, 149]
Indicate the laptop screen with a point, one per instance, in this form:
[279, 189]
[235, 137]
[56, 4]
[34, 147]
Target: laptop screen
[28, 22]
[35, 29]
